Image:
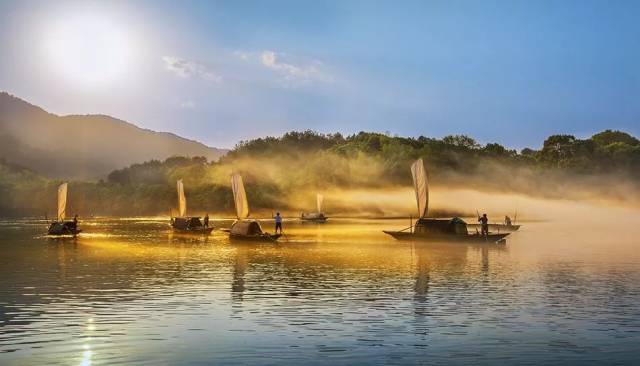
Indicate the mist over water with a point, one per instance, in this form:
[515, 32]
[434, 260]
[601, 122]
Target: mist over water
[447, 202]
[564, 289]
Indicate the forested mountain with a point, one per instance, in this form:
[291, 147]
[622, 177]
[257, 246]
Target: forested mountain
[285, 172]
[82, 147]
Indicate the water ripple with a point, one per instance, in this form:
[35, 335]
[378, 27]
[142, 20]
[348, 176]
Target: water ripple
[131, 292]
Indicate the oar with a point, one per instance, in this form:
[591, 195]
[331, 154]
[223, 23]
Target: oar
[270, 238]
[275, 240]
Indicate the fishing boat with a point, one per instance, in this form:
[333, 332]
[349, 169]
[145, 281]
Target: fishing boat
[500, 228]
[508, 226]
[318, 216]
[183, 223]
[437, 230]
[243, 228]
[61, 227]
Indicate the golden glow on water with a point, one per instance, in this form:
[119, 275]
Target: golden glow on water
[129, 291]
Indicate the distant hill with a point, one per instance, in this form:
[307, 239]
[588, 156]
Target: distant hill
[83, 147]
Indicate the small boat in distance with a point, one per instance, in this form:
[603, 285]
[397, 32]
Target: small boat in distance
[183, 223]
[508, 226]
[243, 228]
[500, 228]
[60, 227]
[437, 230]
[315, 216]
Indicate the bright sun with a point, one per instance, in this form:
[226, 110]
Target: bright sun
[88, 49]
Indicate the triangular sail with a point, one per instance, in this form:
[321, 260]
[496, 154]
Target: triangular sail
[62, 201]
[319, 200]
[239, 197]
[421, 186]
[182, 200]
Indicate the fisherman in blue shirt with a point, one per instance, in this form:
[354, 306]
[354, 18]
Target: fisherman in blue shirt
[278, 222]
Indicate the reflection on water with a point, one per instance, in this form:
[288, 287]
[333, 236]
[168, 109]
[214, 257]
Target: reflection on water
[129, 291]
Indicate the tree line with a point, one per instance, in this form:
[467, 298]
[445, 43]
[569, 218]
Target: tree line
[275, 168]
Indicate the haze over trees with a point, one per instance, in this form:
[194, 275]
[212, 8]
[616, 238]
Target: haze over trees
[279, 170]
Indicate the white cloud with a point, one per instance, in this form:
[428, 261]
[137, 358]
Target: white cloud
[188, 104]
[244, 56]
[283, 69]
[290, 71]
[189, 69]
[294, 73]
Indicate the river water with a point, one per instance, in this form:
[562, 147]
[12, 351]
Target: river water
[127, 291]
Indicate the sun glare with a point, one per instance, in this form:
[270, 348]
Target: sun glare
[88, 49]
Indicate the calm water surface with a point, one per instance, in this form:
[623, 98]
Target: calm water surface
[130, 292]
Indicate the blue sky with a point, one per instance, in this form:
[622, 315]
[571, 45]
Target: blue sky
[512, 72]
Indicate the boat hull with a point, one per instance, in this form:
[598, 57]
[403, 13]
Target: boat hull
[269, 238]
[63, 229]
[319, 220]
[430, 237]
[503, 228]
[500, 228]
[56, 233]
[189, 225]
[199, 231]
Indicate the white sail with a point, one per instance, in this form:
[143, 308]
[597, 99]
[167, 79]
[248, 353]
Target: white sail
[421, 186]
[239, 197]
[182, 200]
[320, 200]
[62, 201]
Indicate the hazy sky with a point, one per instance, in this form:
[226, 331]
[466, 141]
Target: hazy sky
[506, 71]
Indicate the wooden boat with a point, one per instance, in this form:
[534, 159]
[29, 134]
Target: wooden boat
[313, 217]
[189, 225]
[449, 230]
[437, 230]
[250, 230]
[61, 227]
[317, 217]
[183, 223]
[500, 228]
[245, 229]
[507, 227]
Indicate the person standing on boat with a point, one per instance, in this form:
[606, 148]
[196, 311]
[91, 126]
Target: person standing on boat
[507, 220]
[75, 221]
[485, 224]
[278, 222]
[206, 220]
